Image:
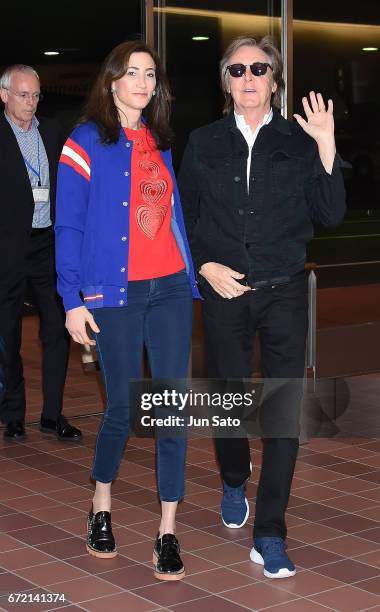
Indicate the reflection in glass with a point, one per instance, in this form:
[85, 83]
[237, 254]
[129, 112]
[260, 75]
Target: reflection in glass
[330, 56]
[191, 36]
[80, 38]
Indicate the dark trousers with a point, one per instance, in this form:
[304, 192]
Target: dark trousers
[38, 282]
[279, 314]
[159, 316]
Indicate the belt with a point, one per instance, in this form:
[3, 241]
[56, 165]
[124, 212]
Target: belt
[36, 231]
[271, 283]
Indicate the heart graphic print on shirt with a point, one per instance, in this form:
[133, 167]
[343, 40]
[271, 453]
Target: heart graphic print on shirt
[151, 168]
[150, 215]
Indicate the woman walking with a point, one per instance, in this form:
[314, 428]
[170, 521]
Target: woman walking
[124, 269]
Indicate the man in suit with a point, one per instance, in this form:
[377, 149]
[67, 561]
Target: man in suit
[29, 153]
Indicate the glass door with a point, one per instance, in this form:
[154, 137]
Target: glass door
[191, 36]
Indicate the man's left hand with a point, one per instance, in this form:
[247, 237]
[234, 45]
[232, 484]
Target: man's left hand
[320, 126]
[320, 121]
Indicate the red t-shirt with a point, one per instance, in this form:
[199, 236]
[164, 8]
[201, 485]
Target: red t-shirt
[153, 250]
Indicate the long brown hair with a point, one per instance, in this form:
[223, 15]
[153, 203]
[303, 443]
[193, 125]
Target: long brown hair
[267, 45]
[100, 106]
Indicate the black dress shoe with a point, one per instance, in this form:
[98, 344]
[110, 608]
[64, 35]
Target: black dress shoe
[14, 430]
[61, 428]
[166, 560]
[100, 540]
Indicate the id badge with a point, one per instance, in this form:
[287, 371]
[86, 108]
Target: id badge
[41, 195]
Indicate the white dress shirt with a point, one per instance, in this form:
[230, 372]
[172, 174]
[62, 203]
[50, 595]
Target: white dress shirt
[251, 136]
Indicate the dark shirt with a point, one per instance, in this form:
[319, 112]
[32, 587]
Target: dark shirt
[262, 234]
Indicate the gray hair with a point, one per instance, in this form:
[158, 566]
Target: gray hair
[5, 79]
[268, 46]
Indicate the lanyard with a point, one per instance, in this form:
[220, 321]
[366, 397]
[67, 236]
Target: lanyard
[29, 165]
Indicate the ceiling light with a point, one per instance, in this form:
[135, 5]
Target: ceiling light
[51, 52]
[370, 49]
[197, 38]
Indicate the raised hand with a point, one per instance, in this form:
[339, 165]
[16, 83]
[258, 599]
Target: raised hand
[319, 125]
[320, 120]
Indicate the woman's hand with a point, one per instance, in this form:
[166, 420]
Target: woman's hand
[320, 126]
[76, 320]
[222, 279]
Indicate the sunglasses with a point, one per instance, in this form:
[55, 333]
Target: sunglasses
[257, 69]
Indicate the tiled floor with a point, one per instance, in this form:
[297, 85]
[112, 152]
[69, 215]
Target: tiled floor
[334, 531]
[333, 519]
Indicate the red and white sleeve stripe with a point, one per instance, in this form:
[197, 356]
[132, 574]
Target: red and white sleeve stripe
[75, 156]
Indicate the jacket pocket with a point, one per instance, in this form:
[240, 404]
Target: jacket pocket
[212, 172]
[286, 173]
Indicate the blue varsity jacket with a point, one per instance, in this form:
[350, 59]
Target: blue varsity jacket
[92, 220]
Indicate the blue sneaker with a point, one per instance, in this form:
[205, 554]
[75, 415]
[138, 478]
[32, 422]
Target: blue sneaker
[270, 552]
[234, 507]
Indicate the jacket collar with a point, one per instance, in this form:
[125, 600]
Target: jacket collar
[17, 129]
[278, 123]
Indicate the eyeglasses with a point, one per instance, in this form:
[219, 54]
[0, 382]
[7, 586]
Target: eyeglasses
[257, 69]
[35, 97]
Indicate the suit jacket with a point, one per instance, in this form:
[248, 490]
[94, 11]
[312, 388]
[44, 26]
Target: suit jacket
[16, 196]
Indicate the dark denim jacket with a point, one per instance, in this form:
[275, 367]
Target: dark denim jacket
[264, 233]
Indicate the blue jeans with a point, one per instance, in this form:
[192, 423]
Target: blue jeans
[159, 316]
